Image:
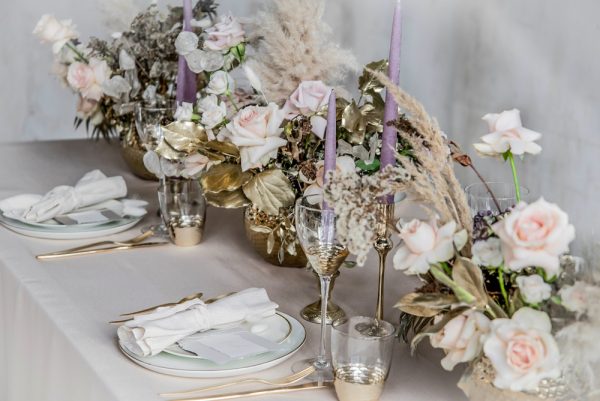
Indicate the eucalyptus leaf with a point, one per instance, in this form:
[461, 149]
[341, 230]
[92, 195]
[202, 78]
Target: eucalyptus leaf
[224, 177]
[425, 305]
[269, 191]
[227, 199]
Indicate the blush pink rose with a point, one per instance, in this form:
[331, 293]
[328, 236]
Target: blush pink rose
[88, 79]
[507, 133]
[309, 98]
[225, 34]
[522, 350]
[256, 131]
[535, 235]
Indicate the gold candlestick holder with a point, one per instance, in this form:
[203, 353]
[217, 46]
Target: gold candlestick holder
[312, 313]
[383, 244]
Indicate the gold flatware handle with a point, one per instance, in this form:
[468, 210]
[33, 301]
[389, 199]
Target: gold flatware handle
[283, 381]
[134, 240]
[182, 300]
[99, 250]
[254, 393]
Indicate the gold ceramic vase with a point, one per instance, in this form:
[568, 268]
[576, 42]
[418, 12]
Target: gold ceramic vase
[133, 154]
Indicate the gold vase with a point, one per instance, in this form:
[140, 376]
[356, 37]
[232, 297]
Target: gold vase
[133, 154]
[266, 234]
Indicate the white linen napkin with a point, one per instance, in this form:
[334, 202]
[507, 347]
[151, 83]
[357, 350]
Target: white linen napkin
[92, 188]
[150, 334]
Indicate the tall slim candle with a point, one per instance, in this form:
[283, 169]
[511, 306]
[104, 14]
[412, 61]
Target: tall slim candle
[330, 137]
[390, 113]
[186, 79]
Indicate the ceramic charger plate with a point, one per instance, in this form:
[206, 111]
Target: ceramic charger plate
[74, 232]
[186, 366]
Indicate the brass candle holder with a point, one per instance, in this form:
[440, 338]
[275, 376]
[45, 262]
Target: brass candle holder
[312, 313]
[383, 244]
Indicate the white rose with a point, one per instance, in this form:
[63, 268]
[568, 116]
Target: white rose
[184, 112]
[225, 34]
[507, 133]
[256, 131]
[461, 338]
[522, 350]
[535, 235]
[208, 103]
[214, 116]
[488, 252]
[220, 83]
[576, 298]
[49, 29]
[88, 79]
[424, 244]
[309, 98]
[534, 289]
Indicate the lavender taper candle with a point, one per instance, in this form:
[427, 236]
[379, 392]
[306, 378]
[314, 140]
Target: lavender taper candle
[390, 113]
[330, 140]
[186, 79]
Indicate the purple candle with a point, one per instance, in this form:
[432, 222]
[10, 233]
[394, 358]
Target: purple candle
[330, 138]
[186, 79]
[390, 113]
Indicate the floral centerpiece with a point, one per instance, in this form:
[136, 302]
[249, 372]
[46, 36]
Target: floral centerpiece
[500, 294]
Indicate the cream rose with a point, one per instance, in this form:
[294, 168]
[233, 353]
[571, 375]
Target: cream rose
[343, 164]
[220, 83]
[208, 103]
[184, 112]
[88, 79]
[225, 34]
[534, 289]
[576, 297]
[49, 29]
[522, 350]
[535, 235]
[214, 116]
[256, 131]
[461, 338]
[488, 252]
[309, 98]
[424, 244]
[507, 133]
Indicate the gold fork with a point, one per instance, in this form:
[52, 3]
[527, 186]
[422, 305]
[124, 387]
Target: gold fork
[132, 241]
[282, 381]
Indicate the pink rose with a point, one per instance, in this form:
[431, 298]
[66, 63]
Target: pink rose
[194, 165]
[507, 133]
[225, 34]
[425, 244]
[86, 107]
[256, 131]
[522, 350]
[309, 98]
[89, 78]
[461, 338]
[535, 235]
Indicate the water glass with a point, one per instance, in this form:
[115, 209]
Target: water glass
[361, 361]
[494, 197]
[149, 121]
[183, 210]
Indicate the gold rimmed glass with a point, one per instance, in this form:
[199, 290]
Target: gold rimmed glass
[315, 227]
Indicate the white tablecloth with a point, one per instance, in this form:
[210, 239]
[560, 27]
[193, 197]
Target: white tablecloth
[56, 344]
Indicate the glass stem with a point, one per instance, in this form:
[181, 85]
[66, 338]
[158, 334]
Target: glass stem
[513, 167]
[325, 285]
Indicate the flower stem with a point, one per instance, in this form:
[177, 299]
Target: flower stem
[511, 158]
[487, 187]
[77, 52]
[502, 287]
[230, 97]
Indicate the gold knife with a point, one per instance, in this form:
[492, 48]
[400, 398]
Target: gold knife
[268, 391]
[100, 250]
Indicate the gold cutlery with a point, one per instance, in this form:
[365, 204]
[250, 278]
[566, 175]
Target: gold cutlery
[282, 381]
[100, 250]
[135, 240]
[268, 391]
[182, 300]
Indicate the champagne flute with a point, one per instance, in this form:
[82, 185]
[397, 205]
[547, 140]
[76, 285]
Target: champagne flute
[315, 227]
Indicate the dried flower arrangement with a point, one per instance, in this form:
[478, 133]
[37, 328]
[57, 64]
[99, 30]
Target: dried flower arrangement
[497, 291]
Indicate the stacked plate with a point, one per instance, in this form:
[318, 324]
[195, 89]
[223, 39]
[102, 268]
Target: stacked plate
[54, 230]
[281, 329]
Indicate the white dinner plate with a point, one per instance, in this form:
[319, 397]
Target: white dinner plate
[69, 232]
[277, 329]
[201, 368]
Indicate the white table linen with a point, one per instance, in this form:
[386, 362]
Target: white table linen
[56, 344]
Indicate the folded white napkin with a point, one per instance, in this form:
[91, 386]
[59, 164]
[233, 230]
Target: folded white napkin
[150, 334]
[92, 188]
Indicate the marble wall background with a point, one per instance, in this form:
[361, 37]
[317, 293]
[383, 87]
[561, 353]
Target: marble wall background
[462, 58]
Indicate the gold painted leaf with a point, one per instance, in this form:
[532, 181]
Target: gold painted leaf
[425, 305]
[468, 276]
[181, 138]
[354, 122]
[270, 242]
[260, 229]
[224, 177]
[227, 199]
[269, 191]
[367, 80]
[225, 148]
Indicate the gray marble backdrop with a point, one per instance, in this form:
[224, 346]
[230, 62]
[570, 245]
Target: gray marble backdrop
[461, 58]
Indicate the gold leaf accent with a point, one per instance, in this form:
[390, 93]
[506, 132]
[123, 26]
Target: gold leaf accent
[225, 148]
[354, 122]
[261, 229]
[468, 276]
[425, 305]
[181, 138]
[270, 242]
[227, 199]
[269, 191]
[367, 81]
[224, 177]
